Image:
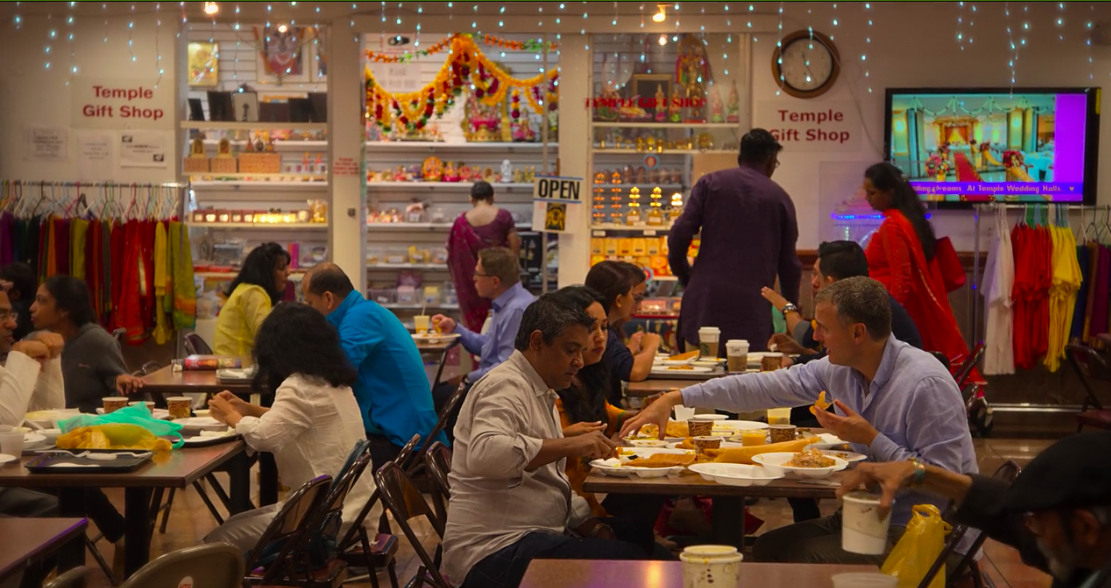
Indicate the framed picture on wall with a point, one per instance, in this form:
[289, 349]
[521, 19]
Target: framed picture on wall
[203, 63]
[652, 87]
[319, 54]
[282, 56]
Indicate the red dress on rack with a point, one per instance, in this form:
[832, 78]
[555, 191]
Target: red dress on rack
[896, 259]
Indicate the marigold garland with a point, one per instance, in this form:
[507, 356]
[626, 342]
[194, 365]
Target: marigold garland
[414, 109]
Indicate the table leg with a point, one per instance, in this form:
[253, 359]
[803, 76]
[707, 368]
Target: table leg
[239, 483]
[137, 520]
[71, 504]
[268, 479]
[729, 521]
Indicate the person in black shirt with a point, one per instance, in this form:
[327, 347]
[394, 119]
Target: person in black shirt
[622, 286]
[1057, 513]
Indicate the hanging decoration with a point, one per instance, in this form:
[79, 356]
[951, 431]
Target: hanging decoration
[408, 57]
[465, 66]
[529, 45]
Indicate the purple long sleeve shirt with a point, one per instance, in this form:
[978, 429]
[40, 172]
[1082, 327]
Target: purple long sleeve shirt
[912, 401]
[749, 234]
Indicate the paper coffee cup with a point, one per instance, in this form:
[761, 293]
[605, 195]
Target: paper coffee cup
[865, 580]
[697, 427]
[702, 443]
[736, 353]
[711, 566]
[113, 403]
[782, 433]
[708, 341]
[862, 530]
[180, 407]
[771, 361]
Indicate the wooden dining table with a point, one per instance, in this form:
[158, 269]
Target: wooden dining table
[581, 573]
[165, 381]
[31, 539]
[142, 489]
[729, 501]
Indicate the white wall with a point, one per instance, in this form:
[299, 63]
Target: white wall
[30, 94]
[914, 45]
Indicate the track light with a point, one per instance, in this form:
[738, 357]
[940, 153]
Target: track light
[211, 8]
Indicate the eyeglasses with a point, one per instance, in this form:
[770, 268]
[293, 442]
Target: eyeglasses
[9, 316]
[478, 275]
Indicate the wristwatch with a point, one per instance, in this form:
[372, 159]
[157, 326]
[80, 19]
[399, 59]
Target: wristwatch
[919, 475]
[790, 308]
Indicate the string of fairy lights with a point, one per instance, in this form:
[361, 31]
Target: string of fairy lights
[1016, 21]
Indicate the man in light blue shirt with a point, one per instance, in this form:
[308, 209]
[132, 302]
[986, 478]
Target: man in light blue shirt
[497, 276]
[893, 403]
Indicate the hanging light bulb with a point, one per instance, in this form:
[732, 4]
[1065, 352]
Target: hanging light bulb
[663, 39]
[282, 28]
[211, 8]
[661, 15]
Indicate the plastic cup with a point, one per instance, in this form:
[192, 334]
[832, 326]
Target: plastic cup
[113, 403]
[773, 360]
[754, 437]
[708, 341]
[711, 566]
[779, 416]
[862, 530]
[864, 580]
[421, 323]
[781, 433]
[736, 354]
[697, 427]
[11, 443]
[683, 413]
[180, 407]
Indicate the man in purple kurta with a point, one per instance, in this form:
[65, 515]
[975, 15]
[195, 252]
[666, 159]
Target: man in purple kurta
[748, 237]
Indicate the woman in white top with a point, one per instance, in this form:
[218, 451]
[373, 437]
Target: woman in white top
[31, 375]
[314, 422]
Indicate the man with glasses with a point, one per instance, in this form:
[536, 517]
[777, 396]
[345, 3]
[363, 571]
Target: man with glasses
[1057, 513]
[748, 238]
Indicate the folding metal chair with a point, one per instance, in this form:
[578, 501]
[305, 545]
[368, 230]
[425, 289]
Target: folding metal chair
[287, 528]
[404, 501]
[1089, 365]
[437, 460]
[215, 565]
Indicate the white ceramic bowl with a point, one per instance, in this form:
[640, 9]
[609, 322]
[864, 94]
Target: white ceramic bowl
[774, 463]
[735, 474]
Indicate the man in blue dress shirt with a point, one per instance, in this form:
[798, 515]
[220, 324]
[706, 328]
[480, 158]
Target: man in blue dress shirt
[392, 390]
[893, 403]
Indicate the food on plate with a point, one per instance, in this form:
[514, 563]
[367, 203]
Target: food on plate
[820, 404]
[662, 460]
[744, 454]
[112, 436]
[681, 367]
[686, 443]
[810, 458]
[684, 356]
[674, 429]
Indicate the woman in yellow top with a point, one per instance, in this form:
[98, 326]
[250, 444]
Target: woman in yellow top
[257, 288]
[583, 408]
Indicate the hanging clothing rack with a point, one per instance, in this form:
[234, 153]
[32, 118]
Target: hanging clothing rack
[975, 302]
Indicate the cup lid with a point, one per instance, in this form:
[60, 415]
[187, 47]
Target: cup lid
[709, 330]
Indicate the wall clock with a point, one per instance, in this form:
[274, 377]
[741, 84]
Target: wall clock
[806, 64]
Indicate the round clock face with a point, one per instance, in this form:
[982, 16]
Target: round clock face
[807, 64]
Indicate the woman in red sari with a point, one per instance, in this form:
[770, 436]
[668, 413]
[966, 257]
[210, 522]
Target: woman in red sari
[484, 225]
[901, 256]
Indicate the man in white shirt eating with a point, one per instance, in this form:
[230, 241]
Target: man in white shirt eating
[31, 375]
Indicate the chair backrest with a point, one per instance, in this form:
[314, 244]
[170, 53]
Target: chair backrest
[1007, 473]
[447, 413]
[76, 578]
[215, 565]
[969, 363]
[287, 527]
[1089, 365]
[404, 501]
[438, 462]
[195, 345]
[405, 456]
[352, 535]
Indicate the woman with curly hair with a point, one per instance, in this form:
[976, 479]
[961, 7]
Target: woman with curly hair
[314, 422]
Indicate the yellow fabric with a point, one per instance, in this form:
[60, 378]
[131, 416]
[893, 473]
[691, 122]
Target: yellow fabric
[578, 469]
[1066, 283]
[239, 320]
[161, 281]
[78, 232]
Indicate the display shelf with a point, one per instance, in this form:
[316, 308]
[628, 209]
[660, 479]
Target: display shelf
[430, 146]
[397, 266]
[643, 186]
[371, 227]
[231, 275]
[279, 145]
[253, 185]
[399, 306]
[215, 125]
[664, 152]
[658, 125]
[629, 228]
[262, 226]
[429, 186]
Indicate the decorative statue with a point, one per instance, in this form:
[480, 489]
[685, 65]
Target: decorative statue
[661, 104]
[733, 110]
[674, 112]
[506, 172]
[717, 110]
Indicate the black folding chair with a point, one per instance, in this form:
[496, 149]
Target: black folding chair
[1089, 365]
[437, 460]
[287, 528]
[404, 501]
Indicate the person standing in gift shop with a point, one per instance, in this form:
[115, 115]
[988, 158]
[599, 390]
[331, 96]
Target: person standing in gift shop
[748, 238]
[392, 387]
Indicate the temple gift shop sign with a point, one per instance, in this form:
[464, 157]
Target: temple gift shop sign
[825, 126]
[551, 198]
[122, 104]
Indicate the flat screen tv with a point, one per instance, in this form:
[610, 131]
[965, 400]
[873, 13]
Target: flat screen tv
[1023, 145]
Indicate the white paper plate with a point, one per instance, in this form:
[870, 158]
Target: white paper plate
[848, 456]
[774, 463]
[5, 458]
[201, 424]
[627, 453]
[724, 445]
[645, 442]
[691, 370]
[207, 436]
[32, 438]
[433, 338]
[734, 474]
[611, 467]
[670, 362]
[158, 413]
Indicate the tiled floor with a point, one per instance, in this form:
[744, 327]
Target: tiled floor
[189, 522]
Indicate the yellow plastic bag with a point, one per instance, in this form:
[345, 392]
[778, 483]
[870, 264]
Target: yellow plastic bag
[919, 548]
[112, 436]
